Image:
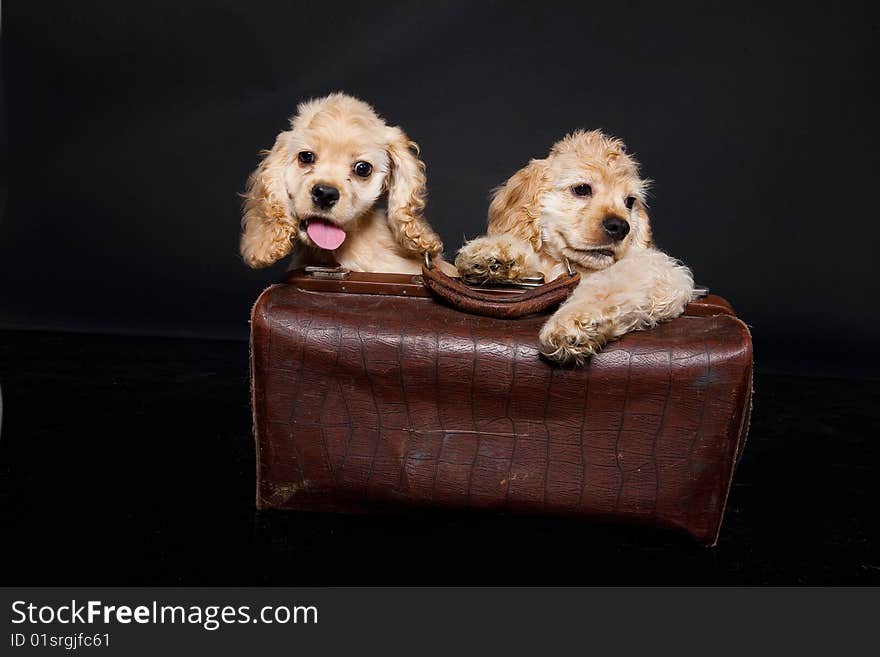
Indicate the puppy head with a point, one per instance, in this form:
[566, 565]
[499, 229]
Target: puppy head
[327, 172]
[585, 202]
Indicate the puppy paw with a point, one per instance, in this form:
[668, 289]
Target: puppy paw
[495, 259]
[571, 338]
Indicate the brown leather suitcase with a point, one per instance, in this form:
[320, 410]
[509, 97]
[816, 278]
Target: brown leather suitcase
[370, 395]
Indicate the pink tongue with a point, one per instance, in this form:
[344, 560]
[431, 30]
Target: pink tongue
[325, 234]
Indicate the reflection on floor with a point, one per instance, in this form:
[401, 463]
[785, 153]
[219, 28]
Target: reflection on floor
[130, 460]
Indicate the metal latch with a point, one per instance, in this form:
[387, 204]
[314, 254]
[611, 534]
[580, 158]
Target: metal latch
[525, 282]
[334, 273]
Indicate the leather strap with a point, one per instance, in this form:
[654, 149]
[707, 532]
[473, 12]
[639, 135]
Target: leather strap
[408, 285]
[471, 300]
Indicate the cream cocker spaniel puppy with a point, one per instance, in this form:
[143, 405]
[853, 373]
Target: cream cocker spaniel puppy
[316, 192]
[584, 203]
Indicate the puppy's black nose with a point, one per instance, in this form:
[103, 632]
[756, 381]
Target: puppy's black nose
[616, 227]
[325, 196]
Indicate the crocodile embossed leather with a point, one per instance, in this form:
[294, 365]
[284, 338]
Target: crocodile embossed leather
[368, 395]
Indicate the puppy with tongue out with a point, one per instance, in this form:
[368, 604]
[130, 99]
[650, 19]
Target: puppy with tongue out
[319, 193]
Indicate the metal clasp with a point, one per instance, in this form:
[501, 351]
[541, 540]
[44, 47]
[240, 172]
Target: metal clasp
[519, 283]
[335, 273]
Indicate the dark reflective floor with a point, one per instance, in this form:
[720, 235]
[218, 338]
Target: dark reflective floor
[129, 461]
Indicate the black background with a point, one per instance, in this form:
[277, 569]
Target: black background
[132, 127]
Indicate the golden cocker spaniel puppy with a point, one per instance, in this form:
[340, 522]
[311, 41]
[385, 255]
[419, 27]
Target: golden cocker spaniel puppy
[584, 203]
[316, 192]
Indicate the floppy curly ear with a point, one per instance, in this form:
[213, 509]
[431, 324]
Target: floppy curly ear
[267, 224]
[406, 196]
[516, 205]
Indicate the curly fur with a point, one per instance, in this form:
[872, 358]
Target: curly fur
[340, 130]
[537, 221]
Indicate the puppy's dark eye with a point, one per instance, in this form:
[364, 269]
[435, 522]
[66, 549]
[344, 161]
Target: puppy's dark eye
[363, 169]
[630, 202]
[582, 190]
[306, 157]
